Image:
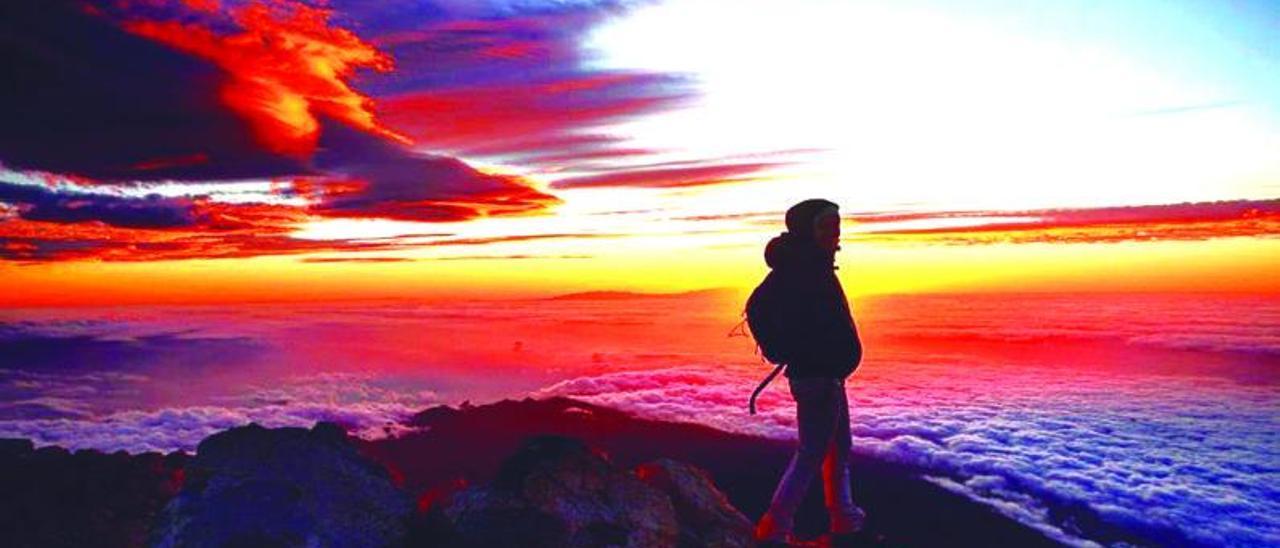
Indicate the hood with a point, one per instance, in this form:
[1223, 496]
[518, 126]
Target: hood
[787, 251]
[800, 217]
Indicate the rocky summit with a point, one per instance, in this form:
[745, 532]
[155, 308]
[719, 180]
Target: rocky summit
[54, 497]
[552, 472]
[253, 486]
[557, 492]
[704, 514]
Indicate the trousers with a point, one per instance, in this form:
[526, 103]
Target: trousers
[822, 417]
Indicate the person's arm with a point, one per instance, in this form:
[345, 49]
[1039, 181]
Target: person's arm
[806, 320]
[849, 336]
[826, 338]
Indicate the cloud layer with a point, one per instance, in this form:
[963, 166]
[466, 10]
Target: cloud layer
[1083, 457]
[364, 405]
[1095, 418]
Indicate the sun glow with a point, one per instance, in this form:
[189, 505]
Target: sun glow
[940, 108]
[656, 148]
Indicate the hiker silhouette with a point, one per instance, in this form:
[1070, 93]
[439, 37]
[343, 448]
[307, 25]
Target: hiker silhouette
[823, 349]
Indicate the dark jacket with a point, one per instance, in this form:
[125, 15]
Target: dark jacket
[822, 339]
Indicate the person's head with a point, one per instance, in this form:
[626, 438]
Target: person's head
[817, 220]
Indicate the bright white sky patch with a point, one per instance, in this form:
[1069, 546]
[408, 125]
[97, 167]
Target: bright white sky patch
[941, 108]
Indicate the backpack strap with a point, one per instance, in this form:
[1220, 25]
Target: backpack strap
[740, 330]
[751, 405]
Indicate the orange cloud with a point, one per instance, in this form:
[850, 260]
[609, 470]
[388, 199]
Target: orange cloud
[223, 230]
[177, 161]
[1187, 221]
[543, 121]
[287, 67]
[669, 177]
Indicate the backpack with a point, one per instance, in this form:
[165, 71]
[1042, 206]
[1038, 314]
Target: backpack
[763, 316]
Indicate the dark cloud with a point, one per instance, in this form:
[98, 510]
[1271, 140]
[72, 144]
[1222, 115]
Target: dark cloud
[170, 98]
[511, 80]
[286, 66]
[368, 178]
[442, 45]
[35, 351]
[222, 231]
[84, 97]
[37, 250]
[401, 184]
[39, 203]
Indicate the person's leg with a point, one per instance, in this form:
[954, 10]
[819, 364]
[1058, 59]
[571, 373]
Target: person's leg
[837, 489]
[815, 420]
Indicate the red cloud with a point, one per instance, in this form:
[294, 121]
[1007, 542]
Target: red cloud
[286, 67]
[224, 230]
[1186, 221]
[177, 161]
[518, 86]
[536, 119]
[669, 177]
[522, 238]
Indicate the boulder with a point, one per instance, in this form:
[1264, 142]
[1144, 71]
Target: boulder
[254, 486]
[706, 517]
[14, 448]
[555, 491]
[56, 497]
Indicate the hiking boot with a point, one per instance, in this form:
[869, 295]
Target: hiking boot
[848, 521]
[768, 532]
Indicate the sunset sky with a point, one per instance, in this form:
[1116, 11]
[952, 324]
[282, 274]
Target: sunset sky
[203, 151]
[1061, 228]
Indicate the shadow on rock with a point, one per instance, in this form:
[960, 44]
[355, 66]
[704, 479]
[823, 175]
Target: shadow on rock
[557, 491]
[253, 486]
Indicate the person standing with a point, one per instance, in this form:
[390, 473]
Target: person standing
[823, 349]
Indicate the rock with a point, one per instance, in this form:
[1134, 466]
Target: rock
[56, 497]
[253, 486]
[555, 491]
[492, 518]
[12, 448]
[705, 515]
[433, 415]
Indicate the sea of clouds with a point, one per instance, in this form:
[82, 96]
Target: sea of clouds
[1089, 455]
[1175, 459]
[1235, 323]
[366, 405]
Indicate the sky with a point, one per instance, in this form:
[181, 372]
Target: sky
[1060, 227]
[203, 151]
